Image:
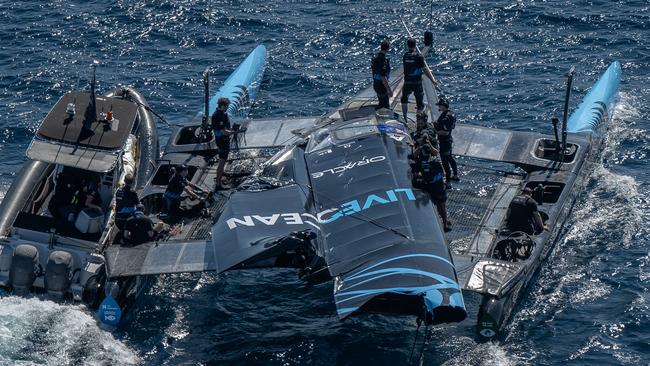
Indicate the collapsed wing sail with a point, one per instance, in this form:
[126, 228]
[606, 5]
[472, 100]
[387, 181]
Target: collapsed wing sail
[380, 237]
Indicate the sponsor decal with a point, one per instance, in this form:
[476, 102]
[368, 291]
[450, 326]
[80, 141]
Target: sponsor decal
[327, 216]
[349, 166]
[109, 311]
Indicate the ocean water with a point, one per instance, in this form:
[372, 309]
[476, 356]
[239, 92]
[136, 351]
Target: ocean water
[503, 65]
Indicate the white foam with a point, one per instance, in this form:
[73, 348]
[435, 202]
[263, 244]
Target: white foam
[34, 331]
[469, 352]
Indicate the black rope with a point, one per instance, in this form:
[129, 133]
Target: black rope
[417, 331]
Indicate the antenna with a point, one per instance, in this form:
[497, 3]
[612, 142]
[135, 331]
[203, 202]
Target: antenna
[91, 111]
[566, 107]
[206, 96]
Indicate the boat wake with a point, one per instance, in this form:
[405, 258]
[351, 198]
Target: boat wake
[33, 331]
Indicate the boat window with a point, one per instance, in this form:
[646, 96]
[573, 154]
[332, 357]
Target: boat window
[355, 130]
[319, 140]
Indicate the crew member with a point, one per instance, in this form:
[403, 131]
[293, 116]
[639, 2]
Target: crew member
[126, 201]
[444, 125]
[429, 176]
[177, 185]
[139, 228]
[88, 196]
[380, 75]
[222, 132]
[524, 215]
[414, 67]
[422, 129]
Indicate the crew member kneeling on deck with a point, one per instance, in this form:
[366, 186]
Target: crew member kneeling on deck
[414, 67]
[222, 132]
[429, 176]
[139, 228]
[126, 201]
[177, 184]
[523, 214]
[380, 74]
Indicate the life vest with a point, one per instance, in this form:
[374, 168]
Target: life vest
[380, 66]
[413, 66]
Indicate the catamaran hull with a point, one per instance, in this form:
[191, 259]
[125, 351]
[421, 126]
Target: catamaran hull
[586, 129]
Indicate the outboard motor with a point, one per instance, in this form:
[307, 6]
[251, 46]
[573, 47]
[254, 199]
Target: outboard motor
[58, 273]
[23, 268]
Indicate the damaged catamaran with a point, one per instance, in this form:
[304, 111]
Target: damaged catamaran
[333, 197]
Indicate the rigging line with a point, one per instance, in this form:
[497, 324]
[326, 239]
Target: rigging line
[427, 334]
[431, 17]
[417, 331]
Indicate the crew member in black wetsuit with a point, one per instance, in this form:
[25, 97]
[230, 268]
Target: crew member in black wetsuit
[423, 129]
[524, 215]
[414, 67]
[222, 132]
[380, 75]
[126, 201]
[177, 184]
[444, 125]
[429, 176]
[139, 228]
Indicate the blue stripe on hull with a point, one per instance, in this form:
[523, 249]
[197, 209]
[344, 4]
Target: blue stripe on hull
[596, 107]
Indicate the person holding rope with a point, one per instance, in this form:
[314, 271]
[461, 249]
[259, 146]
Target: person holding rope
[414, 67]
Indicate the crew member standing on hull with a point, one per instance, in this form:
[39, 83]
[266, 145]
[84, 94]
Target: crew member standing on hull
[380, 74]
[444, 125]
[222, 132]
[414, 67]
[524, 215]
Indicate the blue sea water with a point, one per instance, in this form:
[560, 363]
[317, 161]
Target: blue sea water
[503, 65]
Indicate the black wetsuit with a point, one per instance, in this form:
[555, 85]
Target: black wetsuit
[521, 217]
[381, 69]
[427, 132]
[431, 179]
[139, 227]
[173, 193]
[447, 122]
[221, 122]
[413, 66]
[126, 201]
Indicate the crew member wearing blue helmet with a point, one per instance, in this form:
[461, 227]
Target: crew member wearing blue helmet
[414, 67]
[380, 75]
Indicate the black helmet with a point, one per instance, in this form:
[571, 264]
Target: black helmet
[443, 101]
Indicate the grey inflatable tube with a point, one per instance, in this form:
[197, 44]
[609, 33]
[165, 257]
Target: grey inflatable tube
[147, 135]
[22, 187]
